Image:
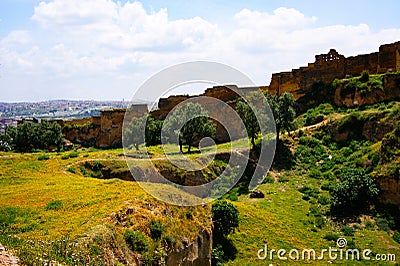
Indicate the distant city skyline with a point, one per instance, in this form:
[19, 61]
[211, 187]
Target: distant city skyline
[104, 50]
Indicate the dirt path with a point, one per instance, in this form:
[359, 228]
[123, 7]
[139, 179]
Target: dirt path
[6, 258]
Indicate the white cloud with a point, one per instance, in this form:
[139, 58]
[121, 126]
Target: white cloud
[80, 43]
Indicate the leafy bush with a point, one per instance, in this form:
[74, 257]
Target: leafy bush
[382, 224]
[136, 241]
[43, 157]
[73, 154]
[348, 231]
[31, 136]
[326, 185]
[355, 191]
[306, 197]
[156, 229]
[309, 191]
[71, 170]
[364, 76]
[396, 236]
[319, 222]
[315, 173]
[225, 218]
[331, 237]
[218, 256]
[54, 205]
[323, 200]
[268, 179]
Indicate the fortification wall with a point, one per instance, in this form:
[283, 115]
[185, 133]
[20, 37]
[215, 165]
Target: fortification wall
[104, 131]
[328, 67]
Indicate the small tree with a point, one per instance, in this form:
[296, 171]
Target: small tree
[7, 139]
[134, 132]
[283, 110]
[27, 137]
[197, 124]
[153, 131]
[250, 121]
[225, 218]
[355, 191]
[50, 135]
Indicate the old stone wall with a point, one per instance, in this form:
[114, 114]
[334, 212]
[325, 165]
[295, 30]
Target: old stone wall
[328, 67]
[104, 131]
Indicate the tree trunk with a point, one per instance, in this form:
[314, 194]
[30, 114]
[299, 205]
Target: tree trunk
[253, 144]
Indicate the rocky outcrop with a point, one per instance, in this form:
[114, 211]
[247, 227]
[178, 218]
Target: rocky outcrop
[351, 98]
[357, 127]
[390, 190]
[195, 253]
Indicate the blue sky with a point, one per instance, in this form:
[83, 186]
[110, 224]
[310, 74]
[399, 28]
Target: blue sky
[103, 49]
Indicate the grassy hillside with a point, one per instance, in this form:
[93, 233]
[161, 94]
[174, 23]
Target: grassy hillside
[60, 206]
[295, 213]
[46, 198]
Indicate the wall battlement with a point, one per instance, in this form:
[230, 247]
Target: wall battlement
[328, 67]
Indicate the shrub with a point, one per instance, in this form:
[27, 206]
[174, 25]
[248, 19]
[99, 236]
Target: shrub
[71, 170]
[364, 76]
[97, 165]
[326, 186]
[319, 222]
[306, 197]
[65, 156]
[225, 218]
[348, 231]
[382, 224]
[156, 229]
[218, 256]
[43, 157]
[309, 191]
[331, 237]
[73, 154]
[136, 241]
[323, 200]
[396, 236]
[355, 191]
[369, 224]
[268, 179]
[54, 205]
[315, 173]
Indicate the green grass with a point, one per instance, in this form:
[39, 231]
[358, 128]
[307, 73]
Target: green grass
[45, 200]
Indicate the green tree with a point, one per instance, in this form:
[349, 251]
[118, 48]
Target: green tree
[195, 128]
[250, 121]
[283, 110]
[27, 137]
[134, 133]
[225, 218]
[153, 131]
[50, 135]
[45, 135]
[355, 191]
[7, 139]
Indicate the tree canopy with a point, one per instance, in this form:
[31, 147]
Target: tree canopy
[197, 125]
[30, 136]
[283, 110]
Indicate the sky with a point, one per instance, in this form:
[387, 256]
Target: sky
[104, 49]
